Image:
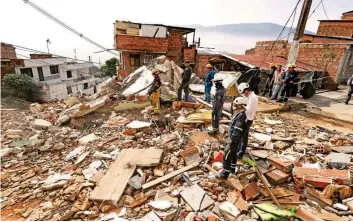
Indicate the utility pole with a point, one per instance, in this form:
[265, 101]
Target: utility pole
[293, 54]
[48, 42]
[89, 58]
[75, 55]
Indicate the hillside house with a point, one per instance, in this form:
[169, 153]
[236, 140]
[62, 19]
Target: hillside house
[138, 43]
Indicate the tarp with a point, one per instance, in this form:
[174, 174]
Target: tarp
[229, 82]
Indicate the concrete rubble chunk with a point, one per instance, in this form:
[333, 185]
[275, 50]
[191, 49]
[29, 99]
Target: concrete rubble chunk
[87, 139]
[230, 211]
[161, 204]
[42, 123]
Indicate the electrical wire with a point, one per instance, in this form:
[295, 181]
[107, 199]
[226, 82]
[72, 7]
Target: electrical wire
[280, 33]
[322, 3]
[289, 33]
[47, 14]
[315, 9]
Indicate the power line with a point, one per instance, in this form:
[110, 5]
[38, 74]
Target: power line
[37, 51]
[315, 9]
[280, 33]
[289, 32]
[47, 14]
[322, 3]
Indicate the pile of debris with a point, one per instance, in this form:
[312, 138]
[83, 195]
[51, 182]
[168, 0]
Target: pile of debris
[106, 158]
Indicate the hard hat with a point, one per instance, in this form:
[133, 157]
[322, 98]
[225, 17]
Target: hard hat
[186, 61]
[242, 86]
[155, 71]
[208, 66]
[291, 65]
[272, 64]
[278, 65]
[240, 101]
[218, 79]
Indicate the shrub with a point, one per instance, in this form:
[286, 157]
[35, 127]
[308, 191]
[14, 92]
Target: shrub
[21, 85]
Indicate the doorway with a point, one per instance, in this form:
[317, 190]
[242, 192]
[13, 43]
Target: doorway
[40, 73]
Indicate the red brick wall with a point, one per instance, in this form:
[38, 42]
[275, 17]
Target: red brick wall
[347, 16]
[319, 39]
[190, 54]
[8, 67]
[325, 57]
[339, 28]
[250, 51]
[126, 42]
[175, 40]
[281, 48]
[40, 56]
[8, 51]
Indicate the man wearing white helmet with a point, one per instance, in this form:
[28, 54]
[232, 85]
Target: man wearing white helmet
[218, 102]
[251, 109]
[236, 131]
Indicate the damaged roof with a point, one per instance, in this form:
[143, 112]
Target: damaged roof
[256, 60]
[185, 29]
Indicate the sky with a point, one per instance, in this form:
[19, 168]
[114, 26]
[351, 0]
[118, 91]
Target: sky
[24, 26]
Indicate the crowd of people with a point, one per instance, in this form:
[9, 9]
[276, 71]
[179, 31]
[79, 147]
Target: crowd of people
[279, 86]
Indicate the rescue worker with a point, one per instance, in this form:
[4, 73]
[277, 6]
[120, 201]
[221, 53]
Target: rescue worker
[184, 86]
[218, 102]
[288, 83]
[350, 91]
[236, 131]
[268, 86]
[277, 81]
[155, 91]
[250, 111]
[208, 82]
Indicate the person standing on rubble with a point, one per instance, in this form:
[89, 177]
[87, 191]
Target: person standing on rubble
[208, 82]
[288, 83]
[268, 86]
[350, 91]
[277, 81]
[155, 91]
[184, 85]
[236, 131]
[218, 102]
[250, 111]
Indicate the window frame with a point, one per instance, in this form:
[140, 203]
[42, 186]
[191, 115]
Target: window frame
[134, 57]
[67, 74]
[56, 67]
[25, 73]
[85, 84]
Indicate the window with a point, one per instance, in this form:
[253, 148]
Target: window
[85, 85]
[69, 74]
[54, 69]
[135, 60]
[147, 58]
[27, 71]
[69, 90]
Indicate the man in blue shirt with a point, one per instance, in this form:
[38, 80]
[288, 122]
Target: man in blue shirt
[208, 82]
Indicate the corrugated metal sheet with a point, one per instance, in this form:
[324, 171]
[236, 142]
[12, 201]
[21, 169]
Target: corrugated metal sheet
[255, 60]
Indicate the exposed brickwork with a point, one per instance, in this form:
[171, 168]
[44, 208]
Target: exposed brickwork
[280, 49]
[8, 51]
[200, 65]
[190, 54]
[250, 51]
[126, 42]
[336, 28]
[323, 39]
[40, 56]
[8, 67]
[175, 40]
[348, 16]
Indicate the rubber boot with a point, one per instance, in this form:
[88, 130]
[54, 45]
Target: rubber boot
[223, 175]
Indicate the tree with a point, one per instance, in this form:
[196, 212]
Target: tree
[21, 85]
[109, 68]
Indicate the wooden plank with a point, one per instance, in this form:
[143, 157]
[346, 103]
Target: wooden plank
[209, 105]
[112, 185]
[168, 176]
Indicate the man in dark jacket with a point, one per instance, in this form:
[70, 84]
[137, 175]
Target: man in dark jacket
[155, 91]
[288, 83]
[218, 102]
[184, 86]
[236, 131]
[268, 86]
[350, 91]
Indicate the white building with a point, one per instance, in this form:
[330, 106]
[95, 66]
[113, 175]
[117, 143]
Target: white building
[58, 76]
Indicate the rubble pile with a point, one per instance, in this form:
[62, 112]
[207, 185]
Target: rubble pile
[106, 158]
